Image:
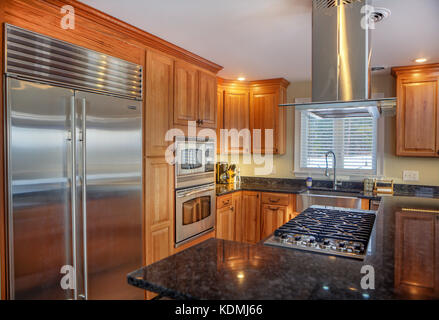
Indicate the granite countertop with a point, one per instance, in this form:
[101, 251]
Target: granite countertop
[223, 189]
[219, 269]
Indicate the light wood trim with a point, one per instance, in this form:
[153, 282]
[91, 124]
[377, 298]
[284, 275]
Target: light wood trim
[423, 68]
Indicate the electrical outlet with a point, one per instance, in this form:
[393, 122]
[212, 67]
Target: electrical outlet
[408, 175]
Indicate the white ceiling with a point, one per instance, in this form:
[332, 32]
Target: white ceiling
[261, 39]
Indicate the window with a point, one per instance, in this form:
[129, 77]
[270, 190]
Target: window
[353, 140]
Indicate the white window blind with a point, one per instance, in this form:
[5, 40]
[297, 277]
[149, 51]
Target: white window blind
[353, 140]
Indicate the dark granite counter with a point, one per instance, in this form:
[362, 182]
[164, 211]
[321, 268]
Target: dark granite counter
[403, 250]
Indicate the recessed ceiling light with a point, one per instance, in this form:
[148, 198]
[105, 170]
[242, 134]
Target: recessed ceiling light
[420, 60]
[241, 78]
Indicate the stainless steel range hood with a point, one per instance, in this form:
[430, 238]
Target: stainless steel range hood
[341, 55]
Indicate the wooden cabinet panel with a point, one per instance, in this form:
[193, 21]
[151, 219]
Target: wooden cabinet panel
[417, 112]
[272, 217]
[159, 208]
[239, 222]
[159, 102]
[264, 116]
[160, 244]
[416, 259]
[185, 93]
[207, 102]
[225, 225]
[418, 118]
[235, 115]
[251, 210]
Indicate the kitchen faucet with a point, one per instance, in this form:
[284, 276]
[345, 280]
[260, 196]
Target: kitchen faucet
[334, 166]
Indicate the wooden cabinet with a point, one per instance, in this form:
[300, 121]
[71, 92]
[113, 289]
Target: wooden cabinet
[255, 215]
[417, 115]
[239, 219]
[225, 226]
[253, 105]
[235, 115]
[251, 211]
[207, 100]
[159, 102]
[159, 209]
[417, 254]
[267, 118]
[272, 217]
[185, 93]
[195, 97]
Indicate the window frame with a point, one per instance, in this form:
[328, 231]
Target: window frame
[320, 172]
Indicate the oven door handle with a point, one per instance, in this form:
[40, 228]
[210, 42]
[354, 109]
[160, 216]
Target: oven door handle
[191, 193]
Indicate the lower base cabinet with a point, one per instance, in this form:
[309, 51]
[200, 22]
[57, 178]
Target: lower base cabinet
[249, 216]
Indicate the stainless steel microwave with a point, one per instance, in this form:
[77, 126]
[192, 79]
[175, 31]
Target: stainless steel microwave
[194, 161]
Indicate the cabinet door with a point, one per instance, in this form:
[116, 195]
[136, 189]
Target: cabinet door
[239, 222]
[417, 117]
[251, 210]
[207, 102]
[159, 209]
[159, 102]
[225, 226]
[416, 254]
[235, 115]
[185, 93]
[265, 114]
[272, 217]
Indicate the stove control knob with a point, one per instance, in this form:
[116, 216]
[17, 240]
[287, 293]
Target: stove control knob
[342, 244]
[284, 238]
[326, 242]
[297, 238]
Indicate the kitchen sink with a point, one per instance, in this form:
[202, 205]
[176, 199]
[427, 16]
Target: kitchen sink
[343, 198]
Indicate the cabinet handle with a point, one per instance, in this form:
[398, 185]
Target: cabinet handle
[273, 209]
[232, 208]
[226, 202]
[273, 200]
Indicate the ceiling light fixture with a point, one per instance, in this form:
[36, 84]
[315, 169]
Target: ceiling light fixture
[421, 60]
[241, 78]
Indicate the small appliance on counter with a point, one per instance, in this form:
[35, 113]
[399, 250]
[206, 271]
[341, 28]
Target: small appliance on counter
[222, 172]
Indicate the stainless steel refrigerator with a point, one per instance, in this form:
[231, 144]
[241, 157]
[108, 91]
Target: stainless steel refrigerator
[74, 183]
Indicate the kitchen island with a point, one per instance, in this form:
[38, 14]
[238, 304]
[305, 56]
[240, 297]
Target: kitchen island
[403, 251]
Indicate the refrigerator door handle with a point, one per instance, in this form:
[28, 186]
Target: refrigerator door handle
[73, 188]
[84, 196]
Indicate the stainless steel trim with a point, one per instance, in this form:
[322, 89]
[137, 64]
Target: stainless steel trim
[73, 189]
[84, 195]
[194, 191]
[10, 230]
[37, 56]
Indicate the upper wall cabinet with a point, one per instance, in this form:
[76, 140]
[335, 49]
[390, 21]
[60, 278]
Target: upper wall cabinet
[266, 116]
[417, 115]
[195, 95]
[254, 105]
[185, 93]
[159, 102]
[207, 102]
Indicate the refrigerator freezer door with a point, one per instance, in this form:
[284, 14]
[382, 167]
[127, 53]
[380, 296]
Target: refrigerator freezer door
[39, 167]
[112, 140]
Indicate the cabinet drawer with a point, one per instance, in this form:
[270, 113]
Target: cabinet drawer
[224, 201]
[275, 199]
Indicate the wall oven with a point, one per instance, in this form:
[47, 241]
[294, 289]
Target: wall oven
[195, 193]
[195, 212]
[195, 161]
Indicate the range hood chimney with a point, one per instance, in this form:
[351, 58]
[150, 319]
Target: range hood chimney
[341, 54]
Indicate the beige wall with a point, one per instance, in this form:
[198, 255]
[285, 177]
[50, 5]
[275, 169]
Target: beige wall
[393, 166]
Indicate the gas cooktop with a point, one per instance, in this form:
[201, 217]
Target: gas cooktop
[329, 230]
